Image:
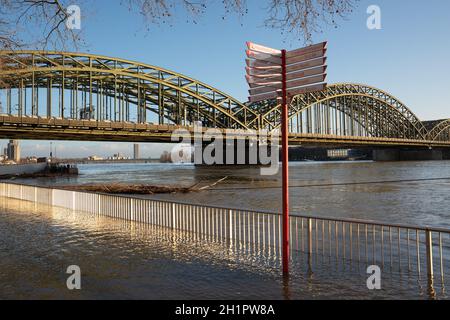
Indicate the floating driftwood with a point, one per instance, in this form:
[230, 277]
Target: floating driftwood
[213, 184]
[120, 188]
[123, 188]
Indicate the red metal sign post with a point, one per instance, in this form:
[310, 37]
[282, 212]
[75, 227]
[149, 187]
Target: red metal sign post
[285, 164]
[273, 73]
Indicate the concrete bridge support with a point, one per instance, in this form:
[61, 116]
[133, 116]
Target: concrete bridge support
[239, 153]
[408, 154]
[446, 154]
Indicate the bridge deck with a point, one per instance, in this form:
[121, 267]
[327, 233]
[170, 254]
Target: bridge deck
[40, 128]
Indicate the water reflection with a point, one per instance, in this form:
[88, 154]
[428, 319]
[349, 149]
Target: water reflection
[430, 288]
[122, 259]
[286, 287]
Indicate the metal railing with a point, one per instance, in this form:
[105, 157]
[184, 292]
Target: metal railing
[402, 248]
[394, 246]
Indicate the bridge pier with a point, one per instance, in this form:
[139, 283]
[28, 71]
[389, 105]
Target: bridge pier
[446, 154]
[395, 154]
[236, 153]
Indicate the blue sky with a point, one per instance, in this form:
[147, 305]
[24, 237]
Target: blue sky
[408, 57]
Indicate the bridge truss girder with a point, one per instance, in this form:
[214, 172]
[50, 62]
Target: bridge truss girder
[440, 132]
[112, 89]
[346, 109]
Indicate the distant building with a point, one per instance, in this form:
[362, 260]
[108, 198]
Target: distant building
[136, 151]
[95, 158]
[118, 156]
[13, 150]
[165, 157]
[32, 159]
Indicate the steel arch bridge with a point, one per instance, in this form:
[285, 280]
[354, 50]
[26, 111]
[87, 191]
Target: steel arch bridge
[104, 88]
[59, 95]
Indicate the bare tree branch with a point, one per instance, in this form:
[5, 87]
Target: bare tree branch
[36, 23]
[304, 18]
[162, 11]
[41, 23]
[301, 18]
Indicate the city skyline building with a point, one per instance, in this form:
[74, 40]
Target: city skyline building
[136, 154]
[13, 150]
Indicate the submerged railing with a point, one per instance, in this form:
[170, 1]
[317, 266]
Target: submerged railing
[400, 247]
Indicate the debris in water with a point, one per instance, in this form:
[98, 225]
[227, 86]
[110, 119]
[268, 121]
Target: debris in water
[123, 188]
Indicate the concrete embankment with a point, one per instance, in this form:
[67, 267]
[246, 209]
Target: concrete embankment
[20, 169]
[36, 170]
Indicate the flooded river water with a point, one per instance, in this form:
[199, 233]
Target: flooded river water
[120, 259]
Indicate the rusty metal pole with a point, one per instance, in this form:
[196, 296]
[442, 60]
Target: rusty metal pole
[285, 165]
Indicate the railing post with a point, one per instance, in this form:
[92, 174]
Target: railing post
[230, 224]
[429, 252]
[309, 236]
[131, 210]
[174, 226]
